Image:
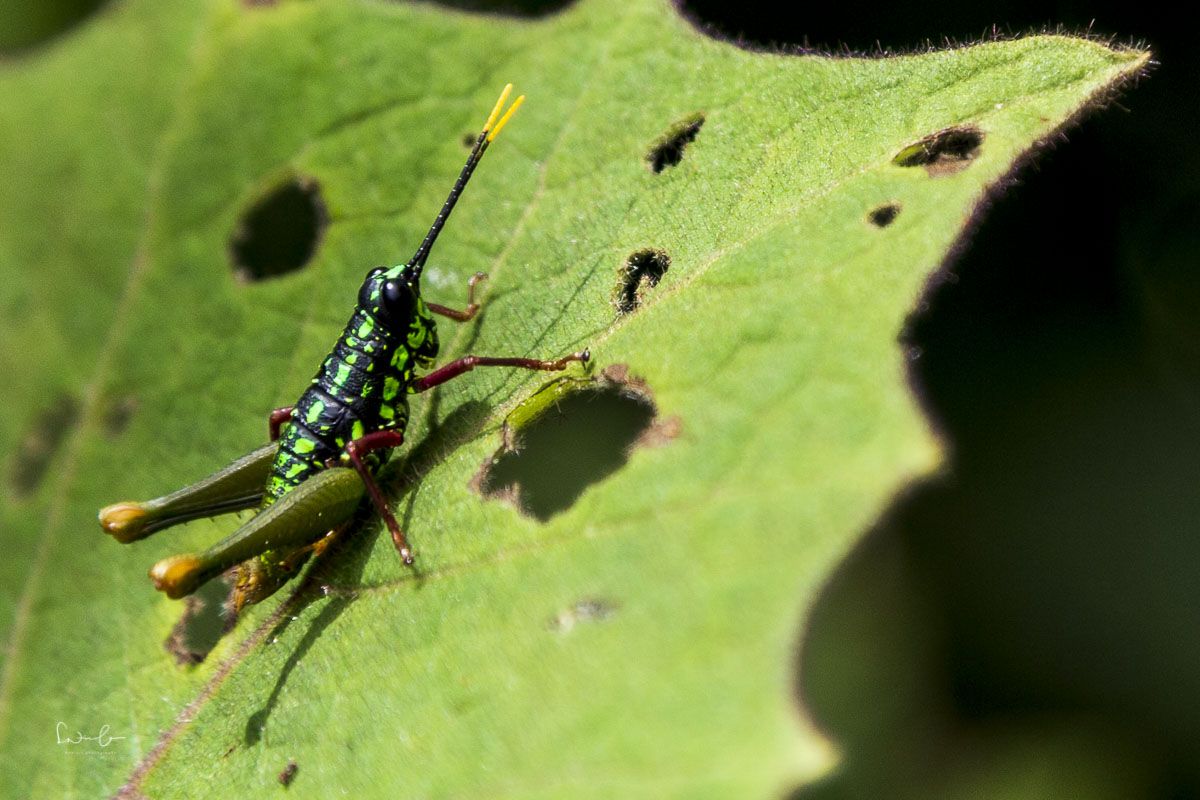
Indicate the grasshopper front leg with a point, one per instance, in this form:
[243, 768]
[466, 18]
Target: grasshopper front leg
[472, 307]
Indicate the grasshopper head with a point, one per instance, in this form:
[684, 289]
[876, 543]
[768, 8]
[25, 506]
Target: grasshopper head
[393, 298]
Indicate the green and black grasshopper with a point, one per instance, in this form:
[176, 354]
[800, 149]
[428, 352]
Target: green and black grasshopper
[326, 449]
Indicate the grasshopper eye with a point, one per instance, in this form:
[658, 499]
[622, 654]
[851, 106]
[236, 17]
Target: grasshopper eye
[397, 301]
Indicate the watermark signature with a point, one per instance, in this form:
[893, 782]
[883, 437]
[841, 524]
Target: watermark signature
[102, 739]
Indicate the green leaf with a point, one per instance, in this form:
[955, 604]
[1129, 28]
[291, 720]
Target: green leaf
[132, 149]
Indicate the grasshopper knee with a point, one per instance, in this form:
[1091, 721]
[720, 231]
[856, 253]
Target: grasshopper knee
[178, 576]
[126, 522]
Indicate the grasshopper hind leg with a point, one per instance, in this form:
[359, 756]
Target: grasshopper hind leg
[271, 545]
[237, 487]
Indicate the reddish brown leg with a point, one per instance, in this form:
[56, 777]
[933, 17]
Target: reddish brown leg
[468, 363]
[278, 417]
[472, 307]
[356, 451]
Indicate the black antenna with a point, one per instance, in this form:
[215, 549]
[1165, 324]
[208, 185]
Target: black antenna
[417, 262]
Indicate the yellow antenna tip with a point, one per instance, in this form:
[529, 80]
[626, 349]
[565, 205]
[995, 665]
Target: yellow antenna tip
[487, 126]
[507, 116]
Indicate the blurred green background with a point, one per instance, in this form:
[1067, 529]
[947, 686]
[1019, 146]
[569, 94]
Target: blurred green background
[1029, 618]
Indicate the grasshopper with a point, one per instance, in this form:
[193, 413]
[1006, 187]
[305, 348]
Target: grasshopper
[326, 450]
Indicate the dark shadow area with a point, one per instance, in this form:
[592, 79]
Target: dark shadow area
[201, 625]
[583, 439]
[256, 723]
[28, 24]
[280, 232]
[954, 659]
[641, 272]
[511, 8]
[668, 150]
[847, 29]
[42, 440]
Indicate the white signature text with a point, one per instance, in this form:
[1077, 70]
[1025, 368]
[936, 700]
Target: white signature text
[102, 737]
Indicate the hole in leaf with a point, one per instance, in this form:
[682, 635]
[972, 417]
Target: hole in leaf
[668, 150]
[26, 24]
[280, 232]
[590, 609]
[119, 413]
[944, 152]
[570, 435]
[201, 625]
[286, 774]
[40, 443]
[641, 272]
[884, 215]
